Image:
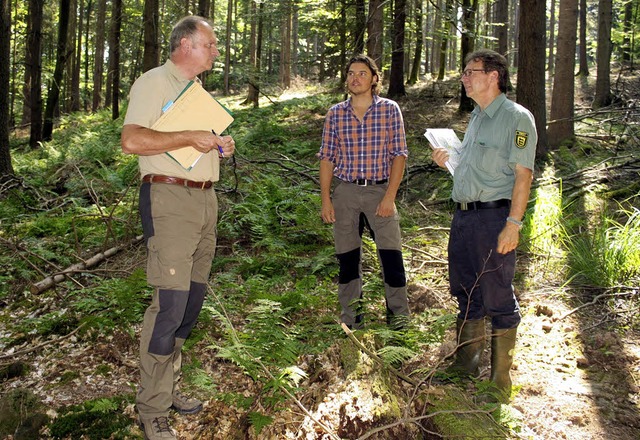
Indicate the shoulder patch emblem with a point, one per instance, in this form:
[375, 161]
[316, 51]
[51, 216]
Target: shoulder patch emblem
[521, 138]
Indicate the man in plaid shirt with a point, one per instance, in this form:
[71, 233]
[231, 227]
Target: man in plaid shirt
[365, 149]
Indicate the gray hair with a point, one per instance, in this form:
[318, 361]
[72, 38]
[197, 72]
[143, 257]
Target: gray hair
[186, 28]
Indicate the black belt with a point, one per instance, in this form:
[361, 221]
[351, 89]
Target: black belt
[468, 206]
[366, 182]
[153, 178]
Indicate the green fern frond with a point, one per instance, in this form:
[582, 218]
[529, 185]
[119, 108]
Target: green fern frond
[259, 421]
[394, 355]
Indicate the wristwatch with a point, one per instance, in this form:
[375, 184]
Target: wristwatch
[515, 222]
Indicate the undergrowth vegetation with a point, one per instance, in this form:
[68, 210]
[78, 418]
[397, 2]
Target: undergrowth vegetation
[272, 294]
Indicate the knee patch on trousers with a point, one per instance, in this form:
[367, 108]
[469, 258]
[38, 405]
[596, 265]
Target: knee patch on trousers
[168, 319]
[393, 267]
[349, 266]
[197, 293]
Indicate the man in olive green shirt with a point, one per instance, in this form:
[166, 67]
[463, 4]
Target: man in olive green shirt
[491, 186]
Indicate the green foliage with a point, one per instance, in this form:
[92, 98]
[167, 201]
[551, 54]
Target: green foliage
[114, 303]
[259, 421]
[94, 419]
[607, 255]
[268, 339]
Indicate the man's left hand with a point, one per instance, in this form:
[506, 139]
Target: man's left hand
[386, 208]
[508, 238]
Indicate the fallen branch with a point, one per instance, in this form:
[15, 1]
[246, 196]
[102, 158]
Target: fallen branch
[593, 302]
[54, 279]
[39, 346]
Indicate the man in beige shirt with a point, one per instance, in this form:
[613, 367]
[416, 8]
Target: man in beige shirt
[179, 212]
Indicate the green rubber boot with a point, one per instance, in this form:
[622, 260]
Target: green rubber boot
[503, 342]
[471, 340]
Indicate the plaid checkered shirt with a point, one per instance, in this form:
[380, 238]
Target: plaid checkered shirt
[363, 149]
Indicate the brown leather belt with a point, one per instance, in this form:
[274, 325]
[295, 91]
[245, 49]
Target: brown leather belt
[154, 178]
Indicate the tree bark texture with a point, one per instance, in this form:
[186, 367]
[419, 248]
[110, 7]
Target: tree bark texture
[603, 97]
[61, 60]
[6, 168]
[531, 67]
[561, 127]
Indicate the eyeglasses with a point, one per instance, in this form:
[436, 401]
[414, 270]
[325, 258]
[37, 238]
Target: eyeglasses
[467, 73]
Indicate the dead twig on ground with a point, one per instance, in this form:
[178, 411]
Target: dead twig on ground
[43, 344]
[594, 301]
[54, 279]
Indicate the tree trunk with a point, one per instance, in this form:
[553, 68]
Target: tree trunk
[58, 73]
[501, 30]
[227, 51]
[446, 34]
[285, 45]
[204, 6]
[98, 62]
[252, 94]
[561, 127]
[375, 31]
[295, 43]
[5, 51]
[531, 71]
[76, 105]
[466, 47]
[396, 76]
[603, 96]
[343, 41]
[417, 56]
[114, 58]
[34, 55]
[361, 27]
[583, 69]
[151, 56]
[628, 30]
[552, 38]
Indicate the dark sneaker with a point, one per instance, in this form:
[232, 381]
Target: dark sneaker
[157, 428]
[184, 404]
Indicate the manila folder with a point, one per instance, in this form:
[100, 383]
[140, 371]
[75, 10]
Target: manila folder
[193, 109]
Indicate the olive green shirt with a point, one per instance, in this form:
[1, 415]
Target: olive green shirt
[149, 94]
[498, 138]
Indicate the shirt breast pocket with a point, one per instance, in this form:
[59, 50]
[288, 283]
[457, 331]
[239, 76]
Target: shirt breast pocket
[491, 158]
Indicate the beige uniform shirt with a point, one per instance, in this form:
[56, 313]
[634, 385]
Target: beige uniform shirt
[150, 93]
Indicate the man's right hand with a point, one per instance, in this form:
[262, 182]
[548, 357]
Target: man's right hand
[440, 156]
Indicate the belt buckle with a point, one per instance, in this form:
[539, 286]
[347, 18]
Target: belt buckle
[464, 206]
[366, 182]
[204, 182]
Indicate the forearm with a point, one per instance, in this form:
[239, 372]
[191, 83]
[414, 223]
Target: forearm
[326, 176]
[144, 141]
[520, 193]
[395, 177]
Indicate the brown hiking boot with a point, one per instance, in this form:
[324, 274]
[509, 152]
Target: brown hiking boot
[157, 428]
[184, 404]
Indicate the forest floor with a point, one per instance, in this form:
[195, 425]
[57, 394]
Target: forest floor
[576, 370]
